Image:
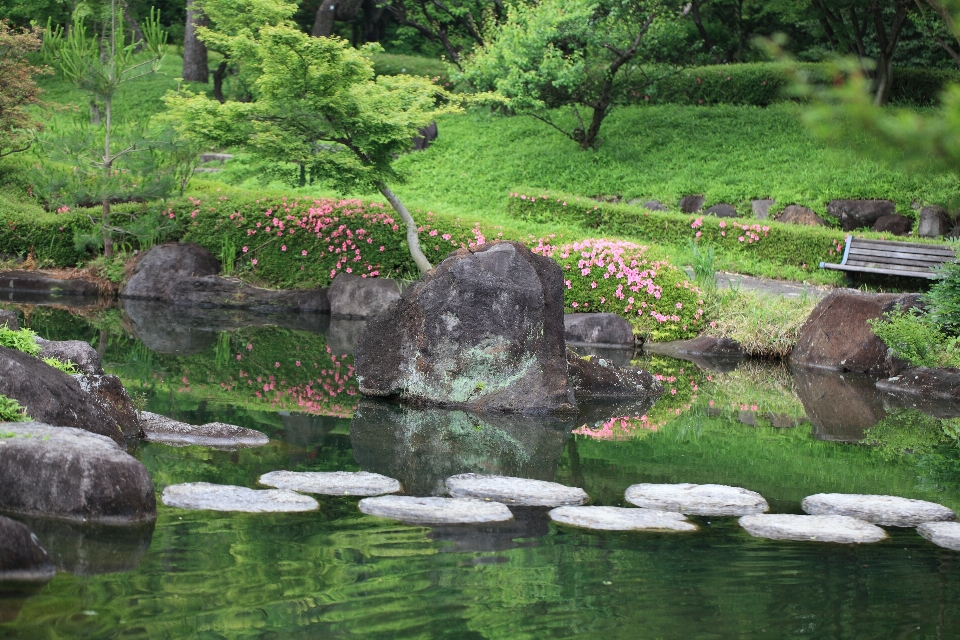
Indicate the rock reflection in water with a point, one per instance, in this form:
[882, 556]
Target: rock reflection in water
[840, 406]
[86, 550]
[528, 523]
[423, 447]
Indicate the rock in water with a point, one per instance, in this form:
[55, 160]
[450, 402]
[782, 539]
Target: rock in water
[837, 336]
[621, 519]
[72, 474]
[21, 556]
[52, 396]
[943, 534]
[890, 511]
[783, 526]
[160, 269]
[200, 496]
[108, 392]
[599, 379]
[157, 428]
[483, 330]
[697, 499]
[332, 483]
[520, 492]
[435, 510]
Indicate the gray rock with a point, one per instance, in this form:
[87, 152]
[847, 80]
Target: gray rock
[894, 223]
[343, 336]
[21, 556]
[654, 205]
[890, 511]
[110, 395]
[37, 282]
[955, 232]
[934, 222]
[78, 352]
[157, 428]
[598, 379]
[621, 519]
[620, 356]
[204, 496]
[332, 483]
[413, 510]
[353, 297]
[859, 214]
[696, 499]
[691, 204]
[71, 474]
[925, 384]
[795, 214]
[9, 320]
[425, 135]
[761, 208]
[162, 267]
[783, 526]
[707, 352]
[521, 492]
[722, 210]
[51, 396]
[942, 534]
[597, 328]
[483, 330]
[837, 334]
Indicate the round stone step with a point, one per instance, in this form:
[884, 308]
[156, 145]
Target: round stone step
[890, 511]
[621, 519]
[943, 534]
[783, 526]
[414, 510]
[697, 499]
[332, 483]
[224, 497]
[521, 492]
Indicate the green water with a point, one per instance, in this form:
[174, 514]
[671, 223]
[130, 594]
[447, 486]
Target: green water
[338, 573]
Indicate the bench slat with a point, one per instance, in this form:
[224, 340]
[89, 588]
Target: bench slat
[902, 245]
[888, 265]
[893, 260]
[891, 272]
[855, 249]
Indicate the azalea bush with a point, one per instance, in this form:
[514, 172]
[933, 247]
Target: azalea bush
[621, 277]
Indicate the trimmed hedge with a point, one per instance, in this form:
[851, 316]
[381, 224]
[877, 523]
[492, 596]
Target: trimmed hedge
[26, 227]
[774, 242]
[764, 83]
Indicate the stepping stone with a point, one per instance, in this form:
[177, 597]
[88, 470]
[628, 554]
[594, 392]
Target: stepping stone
[413, 510]
[223, 497]
[514, 491]
[944, 534]
[332, 483]
[783, 526]
[621, 519]
[890, 511]
[697, 499]
[157, 428]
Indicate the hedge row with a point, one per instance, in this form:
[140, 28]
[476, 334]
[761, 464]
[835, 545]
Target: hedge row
[783, 244]
[764, 83]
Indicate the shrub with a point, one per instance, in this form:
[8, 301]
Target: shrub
[21, 340]
[914, 336]
[944, 299]
[11, 411]
[619, 277]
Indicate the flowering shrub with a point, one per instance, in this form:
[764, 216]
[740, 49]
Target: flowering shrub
[618, 277]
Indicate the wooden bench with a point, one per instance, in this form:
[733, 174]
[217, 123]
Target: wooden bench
[911, 259]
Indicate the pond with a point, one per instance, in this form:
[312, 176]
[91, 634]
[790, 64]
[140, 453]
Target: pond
[338, 573]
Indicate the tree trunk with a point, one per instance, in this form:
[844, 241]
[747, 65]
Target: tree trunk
[94, 112]
[413, 240]
[195, 67]
[218, 75]
[107, 168]
[888, 41]
[331, 10]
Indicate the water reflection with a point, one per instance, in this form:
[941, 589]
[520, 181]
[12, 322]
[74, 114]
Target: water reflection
[841, 406]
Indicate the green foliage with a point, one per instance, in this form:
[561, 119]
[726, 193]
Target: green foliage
[915, 337]
[908, 431]
[11, 411]
[704, 265]
[393, 64]
[764, 325]
[623, 278]
[113, 268]
[943, 299]
[67, 367]
[228, 255]
[21, 340]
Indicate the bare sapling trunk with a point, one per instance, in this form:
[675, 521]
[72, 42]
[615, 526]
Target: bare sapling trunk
[195, 68]
[413, 240]
[107, 168]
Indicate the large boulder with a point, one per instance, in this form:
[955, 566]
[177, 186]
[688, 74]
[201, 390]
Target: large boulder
[21, 556]
[722, 210]
[597, 328]
[186, 274]
[81, 354]
[52, 396]
[761, 208]
[859, 214]
[837, 336]
[483, 330]
[71, 474]
[110, 395]
[924, 384]
[795, 214]
[691, 204]
[354, 297]
[893, 223]
[595, 378]
[934, 222]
